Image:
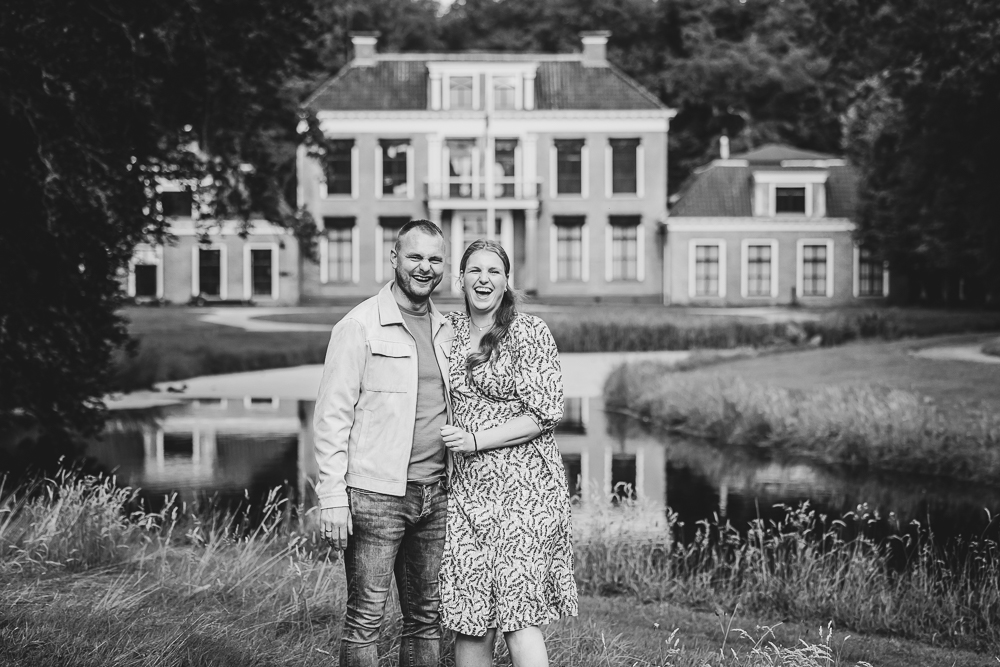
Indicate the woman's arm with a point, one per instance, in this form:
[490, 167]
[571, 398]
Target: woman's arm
[517, 431]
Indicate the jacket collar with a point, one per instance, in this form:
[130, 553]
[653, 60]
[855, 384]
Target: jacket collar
[388, 309]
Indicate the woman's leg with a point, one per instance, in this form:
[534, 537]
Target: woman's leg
[475, 651]
[527, 647]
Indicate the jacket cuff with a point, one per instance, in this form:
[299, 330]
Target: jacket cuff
[334, 501]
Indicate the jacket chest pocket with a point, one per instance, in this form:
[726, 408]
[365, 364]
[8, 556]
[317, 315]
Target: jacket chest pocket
[390, 366]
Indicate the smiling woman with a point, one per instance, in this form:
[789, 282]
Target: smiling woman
[489, 300]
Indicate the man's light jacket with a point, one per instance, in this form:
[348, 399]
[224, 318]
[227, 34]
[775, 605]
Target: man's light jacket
[368, 399]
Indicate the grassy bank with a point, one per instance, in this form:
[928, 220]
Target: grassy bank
[875, 406]
[174, 344]
[88, 578]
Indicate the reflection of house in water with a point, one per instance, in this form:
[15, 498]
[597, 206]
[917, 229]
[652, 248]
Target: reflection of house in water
[221, 445]
[603, 459]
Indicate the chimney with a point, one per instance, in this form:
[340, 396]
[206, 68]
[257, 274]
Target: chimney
[364, 48]
[724, 147]
[595, 48]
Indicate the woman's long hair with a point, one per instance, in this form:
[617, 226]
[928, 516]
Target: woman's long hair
[505, 314]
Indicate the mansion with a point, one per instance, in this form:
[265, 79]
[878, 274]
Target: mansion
[561, 158]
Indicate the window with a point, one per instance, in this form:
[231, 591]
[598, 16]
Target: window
[790, 200]
[706, 270]
[569, 166]
[146, 279]
[209, 272]
[178, 445]
[569, 246]
[339, 168]
[504, 93]
[389, 229]
[871, 273]
[504, 175]
[262, 272]
[759, 261]
[394, 167]
[261, 402]
[574, 419]
[624, 166]
[177, 204]
[624, 247]
[462, 171]
[815, 270]
[339, 260]
[460, 92]
[573, 465]
[623, 477]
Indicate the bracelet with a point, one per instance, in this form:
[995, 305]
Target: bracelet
[475, 442]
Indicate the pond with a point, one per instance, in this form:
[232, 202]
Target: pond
[237, 449]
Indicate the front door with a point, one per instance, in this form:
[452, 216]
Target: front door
[467, 226]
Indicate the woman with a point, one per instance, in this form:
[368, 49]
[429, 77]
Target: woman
[508, 562]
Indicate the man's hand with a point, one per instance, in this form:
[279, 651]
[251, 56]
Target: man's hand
[458, 441]
[335, 522]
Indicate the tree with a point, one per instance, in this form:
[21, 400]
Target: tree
[924, 132]
[759, 71]
[99, 99]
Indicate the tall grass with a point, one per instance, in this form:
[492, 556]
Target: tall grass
[172, 588]
[804, 566]
[875, 427]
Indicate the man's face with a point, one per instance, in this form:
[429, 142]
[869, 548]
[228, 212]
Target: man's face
[419, 264]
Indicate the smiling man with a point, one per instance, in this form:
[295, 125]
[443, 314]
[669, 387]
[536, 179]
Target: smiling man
[382, 402]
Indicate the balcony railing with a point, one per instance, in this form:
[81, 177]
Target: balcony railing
[477, 190]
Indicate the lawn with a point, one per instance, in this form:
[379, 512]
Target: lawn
[174, 344]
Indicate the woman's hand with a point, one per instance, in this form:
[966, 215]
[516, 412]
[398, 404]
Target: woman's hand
[458, 441]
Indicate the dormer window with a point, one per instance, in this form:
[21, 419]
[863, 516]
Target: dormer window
[790, 200]
[790, 192]
[504, 93]
[481, 85]
[460, 92]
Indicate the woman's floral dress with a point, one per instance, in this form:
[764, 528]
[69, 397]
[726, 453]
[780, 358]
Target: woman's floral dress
[508, 559]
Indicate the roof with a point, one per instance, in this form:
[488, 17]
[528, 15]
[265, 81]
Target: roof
[724, 188]
[716, 191]
[399, 82]
[776, 153]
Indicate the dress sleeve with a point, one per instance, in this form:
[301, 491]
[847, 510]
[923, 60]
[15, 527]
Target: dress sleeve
[538, 376]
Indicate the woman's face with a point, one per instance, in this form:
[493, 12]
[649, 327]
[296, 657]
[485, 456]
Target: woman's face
[484, 281]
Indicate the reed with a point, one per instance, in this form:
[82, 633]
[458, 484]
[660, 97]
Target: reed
[862, 425]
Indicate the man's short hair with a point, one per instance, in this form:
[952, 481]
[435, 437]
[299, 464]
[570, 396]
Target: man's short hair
[425, 226]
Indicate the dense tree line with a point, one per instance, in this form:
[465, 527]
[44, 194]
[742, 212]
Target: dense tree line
[100, 98]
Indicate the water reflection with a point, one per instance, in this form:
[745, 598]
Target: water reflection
[232, 448]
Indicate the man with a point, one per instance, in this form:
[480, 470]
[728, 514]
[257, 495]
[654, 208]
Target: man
[382, 402]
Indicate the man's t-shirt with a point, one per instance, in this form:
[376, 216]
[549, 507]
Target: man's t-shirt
[427, 458]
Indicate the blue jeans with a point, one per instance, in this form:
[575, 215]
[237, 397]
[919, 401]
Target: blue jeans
[401, 536]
